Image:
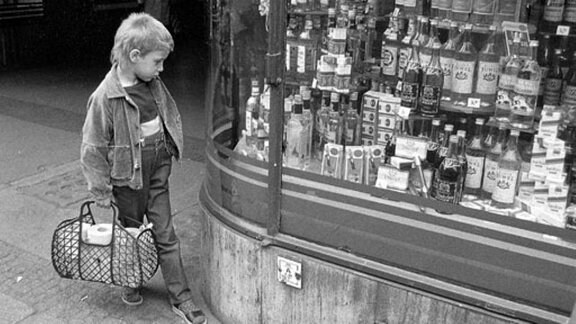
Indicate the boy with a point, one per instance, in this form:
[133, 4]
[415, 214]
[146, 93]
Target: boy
[131, 132]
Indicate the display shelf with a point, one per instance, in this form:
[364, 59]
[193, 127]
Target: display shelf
[450, 107]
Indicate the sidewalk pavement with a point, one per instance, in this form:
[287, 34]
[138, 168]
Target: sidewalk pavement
[40, 185]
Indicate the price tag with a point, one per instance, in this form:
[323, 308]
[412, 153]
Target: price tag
[404, 112]
[474, 102]
[562, 30]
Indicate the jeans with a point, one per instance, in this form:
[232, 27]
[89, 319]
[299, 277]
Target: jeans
[153, 200]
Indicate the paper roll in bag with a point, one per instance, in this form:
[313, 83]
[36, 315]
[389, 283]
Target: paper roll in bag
[99, 234]
[85, 227]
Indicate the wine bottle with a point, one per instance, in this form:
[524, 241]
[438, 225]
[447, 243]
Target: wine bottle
[448, 175]
[475, 156]
[463, 70]
[432, 43]
[526, 91]
[412, 81]
[292, 154]
[406, 48]
[488, 71]
[432, 82]
[447, 60]
[553, 83]
[507, 82]
[491, 164]
[509, 165]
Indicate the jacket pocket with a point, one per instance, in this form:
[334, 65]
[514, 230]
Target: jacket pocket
[121, 162]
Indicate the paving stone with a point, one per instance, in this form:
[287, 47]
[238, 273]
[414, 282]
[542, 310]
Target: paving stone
[12, 310]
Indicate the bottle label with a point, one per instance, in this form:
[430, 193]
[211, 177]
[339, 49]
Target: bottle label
[554, 10]
[508, 81]
[474, 172]
[430, 99]
[444, 4]
[552, 91]
[462, 76]
[464, 6]
[523, 105]
[570, 11]
[527, 87]
[505, 188]
[425, 59]
[507, 8]
[490, 173]
[389, 61]
[484, 7]
[409, 94]
[569, 95]
[403, 60]
[487, 77]
[410, 3]
[503, 99]
[445, 190]
[446, 63]
[301, 63]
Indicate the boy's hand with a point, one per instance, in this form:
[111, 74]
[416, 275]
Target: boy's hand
[104, 203]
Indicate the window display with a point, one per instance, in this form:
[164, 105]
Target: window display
[470, 101]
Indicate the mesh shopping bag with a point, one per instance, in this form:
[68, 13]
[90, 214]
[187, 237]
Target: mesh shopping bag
[129, 260]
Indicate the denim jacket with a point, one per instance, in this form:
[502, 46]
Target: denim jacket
[110, 153]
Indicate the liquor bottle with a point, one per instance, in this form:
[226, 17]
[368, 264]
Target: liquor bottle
[569, 86]
[292, 154]
[307, 126]
[331, 18]
[567, 56]
[307, 49]
[433, 142]
[342, 16]
[252, 110]
[433, 43]
[463, 70]
[423, 33]
[390, 53]
[390, 149]
[321, 125]
[570, 13]
[507, 82]
[447, 60]
[475, 156]
[448, 175]
[412, 80]
[432, 82]
[545, 58]
[350, 125]
[491, 163]
[462, 124]
[461, 9]
[443, 149]
[509, 165]
[553, 82]
[371, 51]
[462, 159]
[334, 126]
[488, 71]
[526, 91]
[406, 47]
[553, 13]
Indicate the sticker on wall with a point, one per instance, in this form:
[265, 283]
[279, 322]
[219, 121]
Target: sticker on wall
[290, 272]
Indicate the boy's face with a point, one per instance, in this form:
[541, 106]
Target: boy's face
[149, 66]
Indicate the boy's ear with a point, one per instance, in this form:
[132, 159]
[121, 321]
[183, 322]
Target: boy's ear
[133, 55]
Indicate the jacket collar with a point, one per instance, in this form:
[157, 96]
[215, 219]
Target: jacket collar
[113, 88]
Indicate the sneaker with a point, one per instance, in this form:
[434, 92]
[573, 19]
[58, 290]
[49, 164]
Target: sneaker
[190, 313]
[131, 296]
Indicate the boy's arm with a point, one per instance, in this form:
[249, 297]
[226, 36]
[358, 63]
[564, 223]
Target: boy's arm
[96, 137]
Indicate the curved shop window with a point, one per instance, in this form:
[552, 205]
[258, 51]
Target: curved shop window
[323, 128]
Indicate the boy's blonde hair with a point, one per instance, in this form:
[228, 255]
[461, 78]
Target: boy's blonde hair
[142, 32]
